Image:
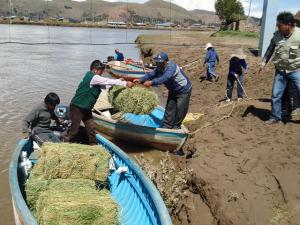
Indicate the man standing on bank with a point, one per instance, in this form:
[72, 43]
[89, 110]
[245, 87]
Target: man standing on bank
[286, 46]
[85, 98]
[179, 86]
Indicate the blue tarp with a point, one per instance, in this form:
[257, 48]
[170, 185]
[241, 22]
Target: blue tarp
[154, 119]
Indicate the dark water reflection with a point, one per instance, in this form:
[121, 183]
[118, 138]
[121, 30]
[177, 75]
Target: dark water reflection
[29, 72]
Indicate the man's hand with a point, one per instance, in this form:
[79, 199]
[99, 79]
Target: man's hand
[148, 83]
[129, 84]
[122, 79]
[136, 81]
[25, 135]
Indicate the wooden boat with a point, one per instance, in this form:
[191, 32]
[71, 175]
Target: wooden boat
[137, 197]
[159, 138]
[127, 71]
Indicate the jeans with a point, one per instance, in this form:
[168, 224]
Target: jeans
[230, 83]
[211, 70]
[280, 82]
[176, 109]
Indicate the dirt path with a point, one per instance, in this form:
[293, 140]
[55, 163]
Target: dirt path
[245, 172]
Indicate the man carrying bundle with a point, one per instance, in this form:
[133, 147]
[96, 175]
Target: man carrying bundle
[85, 98]
[178, 84]
[285, 44]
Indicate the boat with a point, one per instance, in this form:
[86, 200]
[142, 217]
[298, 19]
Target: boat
[128, 71]
[159, 138]
[138, 199]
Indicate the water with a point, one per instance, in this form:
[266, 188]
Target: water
[29, 72]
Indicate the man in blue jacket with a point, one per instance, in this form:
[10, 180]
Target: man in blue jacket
[178, 84]
[118, 55]
[211, 60]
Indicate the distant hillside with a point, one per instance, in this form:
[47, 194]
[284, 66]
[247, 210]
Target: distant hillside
[151, 11]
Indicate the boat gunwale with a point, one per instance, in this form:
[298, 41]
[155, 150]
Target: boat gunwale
[26, 215]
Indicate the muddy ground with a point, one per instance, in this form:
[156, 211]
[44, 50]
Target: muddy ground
[245, 172]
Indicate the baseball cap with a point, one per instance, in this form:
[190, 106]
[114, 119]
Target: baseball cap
[161, 57]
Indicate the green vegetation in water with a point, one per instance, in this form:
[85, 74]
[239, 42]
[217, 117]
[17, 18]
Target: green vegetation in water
[75, 200]
[236, 33]
[137, 100]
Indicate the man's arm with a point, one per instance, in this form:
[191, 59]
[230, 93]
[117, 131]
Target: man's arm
[269, 52]
[207, 56]
[168, 73]
[98, 80]
[148, 76]
[31, 116]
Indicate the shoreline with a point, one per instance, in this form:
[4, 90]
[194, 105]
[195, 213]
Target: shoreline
[244, 172]
[68, 24]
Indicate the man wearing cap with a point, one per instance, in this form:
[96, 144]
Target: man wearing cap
[179, 86]
[85, 98]
[211, 59]
[118, 55]
[285, 45]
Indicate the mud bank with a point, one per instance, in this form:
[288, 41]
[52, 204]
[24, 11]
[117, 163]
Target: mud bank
[244, 171]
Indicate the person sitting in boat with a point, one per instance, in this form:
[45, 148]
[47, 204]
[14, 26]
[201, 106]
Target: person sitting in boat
[118, 55]
[85, 98]
[179, 86]
[37, 122]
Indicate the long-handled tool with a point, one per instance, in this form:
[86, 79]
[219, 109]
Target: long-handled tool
[236, 77]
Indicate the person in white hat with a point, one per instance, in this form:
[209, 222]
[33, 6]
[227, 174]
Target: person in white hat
[211, 59]
[237, 67]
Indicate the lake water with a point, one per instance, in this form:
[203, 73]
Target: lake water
[29, 71]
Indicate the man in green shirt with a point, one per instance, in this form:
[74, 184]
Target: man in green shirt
[85, 98]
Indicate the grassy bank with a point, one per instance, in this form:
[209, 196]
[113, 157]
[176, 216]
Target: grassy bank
[236, 34]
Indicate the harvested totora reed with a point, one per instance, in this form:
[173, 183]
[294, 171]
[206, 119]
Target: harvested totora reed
[75, 202]
[72, 161]
[62, 190]
[137, 100]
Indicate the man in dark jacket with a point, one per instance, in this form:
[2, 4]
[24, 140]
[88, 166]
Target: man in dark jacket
[178, 84]
[85, 98]
[38, 120]
[118, 55]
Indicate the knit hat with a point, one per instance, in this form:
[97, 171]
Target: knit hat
[239, 53]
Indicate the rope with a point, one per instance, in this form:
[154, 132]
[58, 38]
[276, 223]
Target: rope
[218, 120]
[126, 34]
[192, 63]
[10, 15]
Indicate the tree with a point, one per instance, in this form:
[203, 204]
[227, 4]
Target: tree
[229, 11]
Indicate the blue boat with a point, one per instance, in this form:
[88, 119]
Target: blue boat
[127, 71]
[159, 138]
[139, 201]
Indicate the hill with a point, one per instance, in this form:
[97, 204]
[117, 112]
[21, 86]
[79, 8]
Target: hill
[96, 10]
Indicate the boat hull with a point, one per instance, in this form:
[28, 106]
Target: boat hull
[158, 138]
[128, 72]
[138, 199]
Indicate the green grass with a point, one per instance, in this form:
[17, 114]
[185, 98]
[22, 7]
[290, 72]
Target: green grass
[236, 34]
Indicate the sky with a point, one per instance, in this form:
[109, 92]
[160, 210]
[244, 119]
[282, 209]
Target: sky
[256, 6]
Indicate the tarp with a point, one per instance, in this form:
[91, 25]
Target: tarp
[154, 119]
